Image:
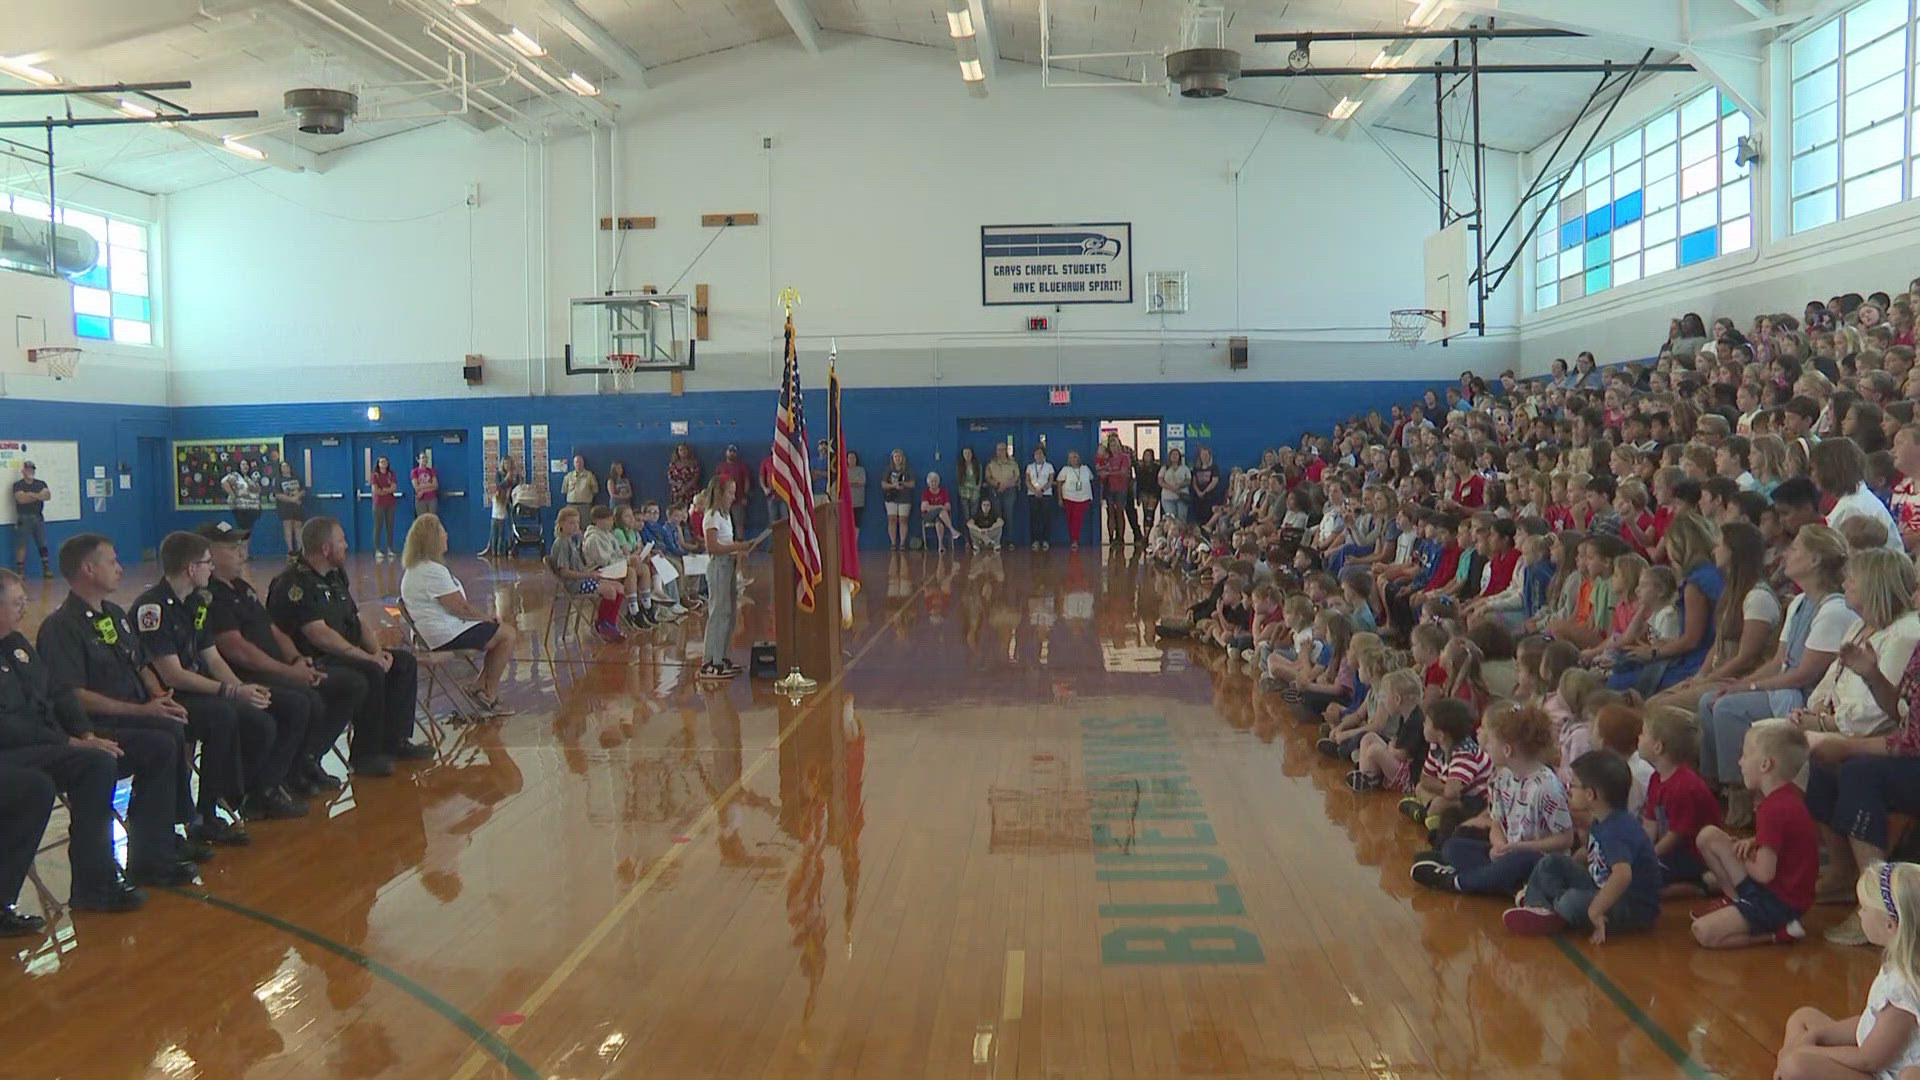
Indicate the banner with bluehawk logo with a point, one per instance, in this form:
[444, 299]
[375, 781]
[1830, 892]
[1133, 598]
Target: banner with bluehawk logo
[1090, 263]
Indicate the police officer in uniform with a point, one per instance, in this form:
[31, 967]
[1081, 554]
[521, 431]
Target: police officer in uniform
[253, 646]
[172, 619]
[90, 646]
[47, 745]
[311, 603]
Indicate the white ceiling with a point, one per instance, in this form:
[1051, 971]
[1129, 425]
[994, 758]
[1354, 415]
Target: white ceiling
[244, 54]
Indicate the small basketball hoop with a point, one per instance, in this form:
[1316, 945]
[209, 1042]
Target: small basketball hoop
[60, 361]
[1410, 325]
[623, 365]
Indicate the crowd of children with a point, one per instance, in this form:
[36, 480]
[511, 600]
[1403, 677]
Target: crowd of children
[1601, 633]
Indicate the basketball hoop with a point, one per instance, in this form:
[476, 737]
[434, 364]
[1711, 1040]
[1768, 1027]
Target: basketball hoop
[1410, 325]
[61, 361]
[623, 365]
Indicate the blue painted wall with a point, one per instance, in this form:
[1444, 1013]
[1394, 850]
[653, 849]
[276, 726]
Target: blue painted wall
[1244, 418]
[108, 436]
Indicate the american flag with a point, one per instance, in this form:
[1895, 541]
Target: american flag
[793, 477]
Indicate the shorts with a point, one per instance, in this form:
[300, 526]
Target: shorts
[899, 510]
[1400, 778]
[1682, 867]
[473, 637]
[590, 585]
[1763, 909]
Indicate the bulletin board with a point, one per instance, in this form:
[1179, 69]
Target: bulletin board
[56, 464]
[200, 464]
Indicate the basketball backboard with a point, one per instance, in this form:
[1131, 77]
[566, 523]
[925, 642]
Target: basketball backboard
[626, 332]
[1449, 263]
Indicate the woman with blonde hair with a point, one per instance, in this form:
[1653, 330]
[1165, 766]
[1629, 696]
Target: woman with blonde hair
[1655, 666]
[441, 612]
[1879, 589]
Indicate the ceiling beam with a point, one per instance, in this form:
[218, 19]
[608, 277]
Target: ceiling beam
[988, 38]
[805, 27]
[1379, 96]
[587, 32]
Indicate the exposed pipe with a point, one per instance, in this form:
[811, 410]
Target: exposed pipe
[359, 38]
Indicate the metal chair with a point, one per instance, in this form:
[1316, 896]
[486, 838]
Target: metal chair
[438, 681]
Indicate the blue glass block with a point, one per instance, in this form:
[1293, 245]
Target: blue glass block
[1700, 246]
[1599, 253]
[1627, 208]
[1726, 105]
[93, 326]
[128, 306]
[95, 278]
[1570, 233]
[1600, 222]
[1599, 279]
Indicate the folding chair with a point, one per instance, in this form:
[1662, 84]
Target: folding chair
[438, 681]
[566, 614]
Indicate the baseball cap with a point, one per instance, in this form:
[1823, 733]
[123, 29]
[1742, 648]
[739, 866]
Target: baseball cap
[222, 532]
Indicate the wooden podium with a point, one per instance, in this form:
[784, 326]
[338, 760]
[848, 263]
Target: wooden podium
[810, 639]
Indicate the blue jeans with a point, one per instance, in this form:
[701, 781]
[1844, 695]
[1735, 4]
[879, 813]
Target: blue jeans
[1562, 884]
[1724, 720]
[1349, 551]
[497, 539]
[1476, 871]
[1855, 798]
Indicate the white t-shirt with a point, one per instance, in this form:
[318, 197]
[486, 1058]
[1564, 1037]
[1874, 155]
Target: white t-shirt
[1888, 989]
[1039, 477]
[1863, 503]
[1642, 771]
[1760, 605]
[1832, 622]
[720, 525]
[1076, 483]
[421, 587]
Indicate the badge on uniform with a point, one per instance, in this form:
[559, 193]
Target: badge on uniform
[293, 593]
[200, 618]
[20, 655]
[108, 629]
[148, 618]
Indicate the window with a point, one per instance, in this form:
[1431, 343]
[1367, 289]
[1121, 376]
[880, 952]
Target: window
[1660, 197]
[114, 300]
[1853, 119]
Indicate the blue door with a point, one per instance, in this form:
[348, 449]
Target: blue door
[367, 449]
[325, 462]
[462, 509]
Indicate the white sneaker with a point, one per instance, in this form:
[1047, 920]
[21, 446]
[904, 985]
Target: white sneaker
[379, 556]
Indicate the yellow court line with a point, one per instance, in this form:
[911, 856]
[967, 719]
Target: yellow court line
[477, 1058]
[1013, 993]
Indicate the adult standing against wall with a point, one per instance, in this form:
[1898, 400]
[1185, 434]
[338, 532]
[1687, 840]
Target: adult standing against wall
[619, 486]
[1207, 486]
[506, 477]
[897, 489]
[386, 495]
[1146, 487]
[290, 500]
[1077, 486]
[1040, 500]
[1175, 479]
[683, 476]
[1114, 463]
[426, 485]
[580, 486]
[734, 467]
[967, 478]
[857, 490]
[242, 500]
[1003, 481]
[30, 495]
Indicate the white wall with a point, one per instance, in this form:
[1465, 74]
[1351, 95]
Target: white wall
[880, 174]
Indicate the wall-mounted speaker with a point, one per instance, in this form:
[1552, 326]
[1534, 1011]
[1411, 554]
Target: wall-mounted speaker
[471, 370]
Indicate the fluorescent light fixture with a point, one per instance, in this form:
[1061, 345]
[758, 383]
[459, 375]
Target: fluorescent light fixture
[465, 3]
[234, 146]
[971, 72]
[136, 110]
[28, 72]
[522, 44]
[1424, 14]
[579, 85]
[373, 413]
[960, 23]
[1345, 109]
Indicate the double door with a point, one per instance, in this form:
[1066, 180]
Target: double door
[1059, 435]
[339, 469]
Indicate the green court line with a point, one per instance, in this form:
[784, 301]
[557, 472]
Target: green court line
[484, 1039]
[1692, 1068]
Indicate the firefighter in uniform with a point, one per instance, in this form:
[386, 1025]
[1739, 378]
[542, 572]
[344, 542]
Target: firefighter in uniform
[253, 646]
[48, 745]
[172, 620]
[90, 646]
[311, 603]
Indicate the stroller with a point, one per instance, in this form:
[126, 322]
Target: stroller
[524, 531]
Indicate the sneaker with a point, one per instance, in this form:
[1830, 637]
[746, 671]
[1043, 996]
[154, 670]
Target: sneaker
[1036, 545]
[19, 924]
[1435, 876]
[609, 633]
[1413, 810]
[1790, 933]
[1532, 921]
[1701, 911]
[1329, 747]
[1360, 780]
[1848, 932]
[1431, 855]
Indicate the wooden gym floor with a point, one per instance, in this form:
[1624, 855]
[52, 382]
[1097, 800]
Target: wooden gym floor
[1018, 839]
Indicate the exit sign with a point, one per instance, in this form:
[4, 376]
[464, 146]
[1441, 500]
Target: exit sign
[1059, 395]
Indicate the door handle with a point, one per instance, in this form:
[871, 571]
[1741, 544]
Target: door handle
[364, 494]
[328, 495]
[454, 494]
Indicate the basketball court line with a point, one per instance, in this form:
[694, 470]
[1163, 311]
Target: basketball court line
[1666, 1042]
[486, 1041]
[476, 1059]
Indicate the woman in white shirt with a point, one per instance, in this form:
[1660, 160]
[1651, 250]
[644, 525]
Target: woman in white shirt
[1879, 587]
[1040, 499]
[1839, 469]
[1175, 478]
[1075, 481]
[442, 614]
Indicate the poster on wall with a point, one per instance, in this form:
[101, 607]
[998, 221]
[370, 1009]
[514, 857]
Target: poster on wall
[200, 464]
[490, 456]
[56, 464]
[541, 481]
[1056, 264]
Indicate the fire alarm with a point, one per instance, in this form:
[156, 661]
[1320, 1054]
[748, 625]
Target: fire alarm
[1036, 322]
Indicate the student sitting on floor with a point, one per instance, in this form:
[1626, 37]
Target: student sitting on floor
[1679, 803]
[1462, 660]
[1884, 1036]
[1454, 779]
[1618, 887]
[1343, 724]
[1232, 618]
[1617, 728]
[1332, 677]
[1528, 818]
[1766, 883]
[1288, 645]
[1391, 757]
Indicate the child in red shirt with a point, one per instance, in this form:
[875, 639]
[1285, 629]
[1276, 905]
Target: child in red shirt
[1679, 803]
[1766, 882]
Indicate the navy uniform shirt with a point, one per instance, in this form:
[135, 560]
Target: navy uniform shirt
[93, 649]
[33, 711]
[301, 595]
[173, 625]
[235, 606]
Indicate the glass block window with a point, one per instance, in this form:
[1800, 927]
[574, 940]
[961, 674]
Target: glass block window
[114, 300]
[1660, 197]
[1853, 113]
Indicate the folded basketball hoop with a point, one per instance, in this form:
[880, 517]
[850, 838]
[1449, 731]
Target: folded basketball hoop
[1410, 324]
[59, 361]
